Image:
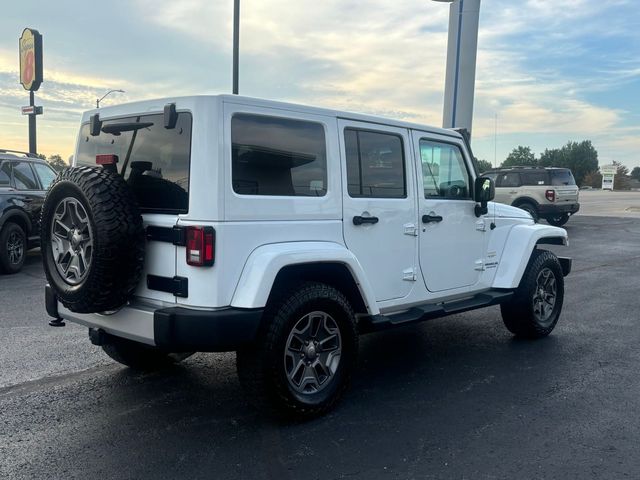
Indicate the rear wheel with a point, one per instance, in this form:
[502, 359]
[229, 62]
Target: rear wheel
[13, 248]
[139, 356]
[558, 220]
[304, 359]
[534, 310]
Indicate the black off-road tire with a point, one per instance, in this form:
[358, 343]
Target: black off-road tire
[117, 255]
[139, 356]
[531, 209]
[518, 314]
[11, 233]
[558, 220]
[261, 366]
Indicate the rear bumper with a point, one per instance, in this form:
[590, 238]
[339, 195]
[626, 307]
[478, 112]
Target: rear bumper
[551, 209]
[175, 329]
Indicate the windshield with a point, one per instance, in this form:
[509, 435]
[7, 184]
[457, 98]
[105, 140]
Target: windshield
[562, 177]
[152, 159]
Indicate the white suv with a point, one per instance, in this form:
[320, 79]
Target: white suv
[221, 223]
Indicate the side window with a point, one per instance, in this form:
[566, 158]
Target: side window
[510, 179]
[278, 156]
[45, 173]
[444, 171]
[5, 174]
[534, 178]
[375, 164]
[23, 177]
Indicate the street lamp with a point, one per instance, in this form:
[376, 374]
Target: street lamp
[105, 95]
[462, 48]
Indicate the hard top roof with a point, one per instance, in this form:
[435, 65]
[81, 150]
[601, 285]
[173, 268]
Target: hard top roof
[156, 105]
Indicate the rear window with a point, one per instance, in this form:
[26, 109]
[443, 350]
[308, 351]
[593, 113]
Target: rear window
[562, 177]
[152, 159]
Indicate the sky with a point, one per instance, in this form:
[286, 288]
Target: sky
[551, 71]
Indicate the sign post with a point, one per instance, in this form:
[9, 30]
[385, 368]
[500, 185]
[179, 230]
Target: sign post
[30, 48]
[608, 176]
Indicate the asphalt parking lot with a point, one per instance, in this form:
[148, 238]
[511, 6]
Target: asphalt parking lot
[451, 398]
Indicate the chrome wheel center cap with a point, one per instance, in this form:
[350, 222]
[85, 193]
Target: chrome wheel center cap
[311, 352]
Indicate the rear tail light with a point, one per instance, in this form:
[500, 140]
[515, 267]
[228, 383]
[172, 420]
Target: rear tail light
[551, 195]
[106, 159]
[200, 246]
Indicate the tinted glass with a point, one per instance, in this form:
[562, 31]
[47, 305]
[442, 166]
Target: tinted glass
[45, 173]
[5, 174]
[444, 171]
[375, 164]
[153, 160]
[23, 177]
[562, 177]
[534, 178]
[278, 156]
[508, 180]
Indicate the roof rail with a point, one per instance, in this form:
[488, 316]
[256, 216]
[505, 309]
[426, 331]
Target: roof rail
[26, 154]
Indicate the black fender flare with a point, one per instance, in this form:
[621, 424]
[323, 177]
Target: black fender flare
[14, 212]
[520, 200]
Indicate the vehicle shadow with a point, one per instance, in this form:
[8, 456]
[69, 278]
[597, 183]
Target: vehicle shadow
[416, 388]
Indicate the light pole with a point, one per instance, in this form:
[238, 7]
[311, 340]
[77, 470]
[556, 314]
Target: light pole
[105, 95]
[462, 48]
[236, 44]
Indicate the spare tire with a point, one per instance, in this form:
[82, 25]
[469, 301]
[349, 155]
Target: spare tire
[92, 239]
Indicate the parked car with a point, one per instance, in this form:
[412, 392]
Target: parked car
[544, 192]
[24, 179]
[221, 223]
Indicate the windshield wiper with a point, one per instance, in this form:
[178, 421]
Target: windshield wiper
[117, 128]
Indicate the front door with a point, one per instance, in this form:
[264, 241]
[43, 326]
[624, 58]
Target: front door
[379, 209]
[452, 238]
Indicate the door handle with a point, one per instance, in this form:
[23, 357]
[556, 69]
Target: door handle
[431, 218]
[358, 220]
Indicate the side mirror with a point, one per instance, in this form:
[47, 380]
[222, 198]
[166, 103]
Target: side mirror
[484, 192]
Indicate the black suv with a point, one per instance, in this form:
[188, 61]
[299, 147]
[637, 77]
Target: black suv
[24, 179]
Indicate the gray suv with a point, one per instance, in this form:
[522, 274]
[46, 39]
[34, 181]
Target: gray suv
[545, 192]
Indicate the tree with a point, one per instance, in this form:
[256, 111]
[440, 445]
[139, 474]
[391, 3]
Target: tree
[580, 157]
[621, 181]
[484, 165]
[592, 179]
[520, 156]
[635, 173]
[57, 162]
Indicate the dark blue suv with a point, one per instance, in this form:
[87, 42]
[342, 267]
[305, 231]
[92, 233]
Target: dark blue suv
[24, 179]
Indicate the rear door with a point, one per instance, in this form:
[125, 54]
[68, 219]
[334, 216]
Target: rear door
[154, 161]
[379, 208]
[565, 186]
[29, 195]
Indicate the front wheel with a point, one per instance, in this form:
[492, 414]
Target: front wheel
[306, 354]
[558, 220]
[534, 310]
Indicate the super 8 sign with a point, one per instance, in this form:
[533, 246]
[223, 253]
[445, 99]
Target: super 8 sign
[30, 45]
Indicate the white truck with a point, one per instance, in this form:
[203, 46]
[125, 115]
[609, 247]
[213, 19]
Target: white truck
[282, 232]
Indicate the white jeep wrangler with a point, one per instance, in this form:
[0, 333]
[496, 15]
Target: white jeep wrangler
[221, 223]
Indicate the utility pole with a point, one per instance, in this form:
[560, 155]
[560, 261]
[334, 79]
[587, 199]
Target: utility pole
[236, 44]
